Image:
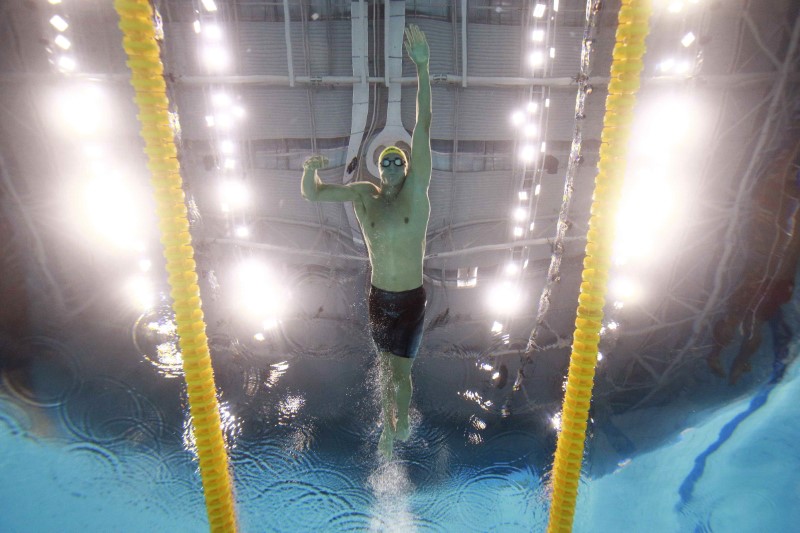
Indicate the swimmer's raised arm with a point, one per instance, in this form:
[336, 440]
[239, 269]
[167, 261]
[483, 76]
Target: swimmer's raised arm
[314, 190]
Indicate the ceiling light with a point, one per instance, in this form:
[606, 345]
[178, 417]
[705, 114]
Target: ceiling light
[196, 26]
[210, 121]
[532, 107]
[544, 146]
[537, 36]
[538, 10]
[547, 102]
[216, 57]
[536, 59]
[141, 292]
[538, 189]
[234, 193]
[224, 121]
[527, 153]
[221, 100]
[145, 265]
[54, 2]
[520, 214]
[239, 111]
[530, 130]
[242, 232]
[555, 5]
[66, 64]
[523, 195]
[497, 327]
[230, 164]
[517, 118]
[210, 5]
[58, 23]
[62, 42]
[504, 298]
[226, 147]
[675, 7]
[213, 32]
[511, 269]
[688, 39]
[518, 231]
[552, 52]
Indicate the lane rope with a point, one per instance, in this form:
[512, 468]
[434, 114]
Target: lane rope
[147, 78]
[632, 30]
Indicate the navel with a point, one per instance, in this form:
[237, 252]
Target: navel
[406, 220]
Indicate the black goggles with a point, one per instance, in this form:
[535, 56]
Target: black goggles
[398, 161]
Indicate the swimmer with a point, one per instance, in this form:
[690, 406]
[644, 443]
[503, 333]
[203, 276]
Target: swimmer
[394, 219]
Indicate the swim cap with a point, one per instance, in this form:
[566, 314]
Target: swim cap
[392, 150]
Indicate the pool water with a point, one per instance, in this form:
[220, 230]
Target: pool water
[95, 437]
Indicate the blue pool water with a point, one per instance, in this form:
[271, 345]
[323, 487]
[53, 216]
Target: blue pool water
[96, 438]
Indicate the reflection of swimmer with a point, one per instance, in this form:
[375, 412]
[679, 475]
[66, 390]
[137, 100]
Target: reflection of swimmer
[394, 219]
[774, 240]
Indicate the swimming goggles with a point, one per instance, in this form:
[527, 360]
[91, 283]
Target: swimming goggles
[398, 161]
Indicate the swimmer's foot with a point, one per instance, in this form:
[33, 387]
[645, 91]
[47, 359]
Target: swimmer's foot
[386, 443]
[403, 431]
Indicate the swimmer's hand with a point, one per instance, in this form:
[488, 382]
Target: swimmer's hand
[314, 163]
[417, 45]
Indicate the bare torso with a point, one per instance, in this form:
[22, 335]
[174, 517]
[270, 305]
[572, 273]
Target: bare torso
[395, 236]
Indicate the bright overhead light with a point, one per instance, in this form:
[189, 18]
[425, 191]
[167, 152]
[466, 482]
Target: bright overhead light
[527, 153]
[518, 231]
[53, 2]
[625, 290]
[536, 59]
[504, 297]
[547, 102]
[216, 57]
[552, 52]
[530, 130]
[66, 64]
[538, 10]
[523, 195]
[259, 293]
[224, 120]
[517, 118]
[82, 109]
[537, 190]
[242, 232]
[212, 32]
[226, 147]
[675, 7]
[62, 42]
[532, 107]
[58, 23]
[544, 147]
[141, 292]
[555, 5]
[221, 100]
[209, 5]
[210, 121]
[520, 214]
[239, 112]
[111, 208]
[234, 193]
[537, 36]
[688, 39]
[511, 269]
[196, 26]
[229, 164]
[145, 265]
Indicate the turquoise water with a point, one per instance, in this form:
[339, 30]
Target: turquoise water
[95, 437]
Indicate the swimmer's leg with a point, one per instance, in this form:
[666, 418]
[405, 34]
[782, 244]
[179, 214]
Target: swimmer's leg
[388, 405]
[401, 376]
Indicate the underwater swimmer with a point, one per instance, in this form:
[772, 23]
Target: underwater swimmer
[394, 219]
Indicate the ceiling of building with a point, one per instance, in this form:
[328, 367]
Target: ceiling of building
[284, 80]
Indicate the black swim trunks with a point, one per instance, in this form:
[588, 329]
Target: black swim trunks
[396, 320]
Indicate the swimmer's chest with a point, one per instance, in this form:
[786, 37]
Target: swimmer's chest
[397, 220]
